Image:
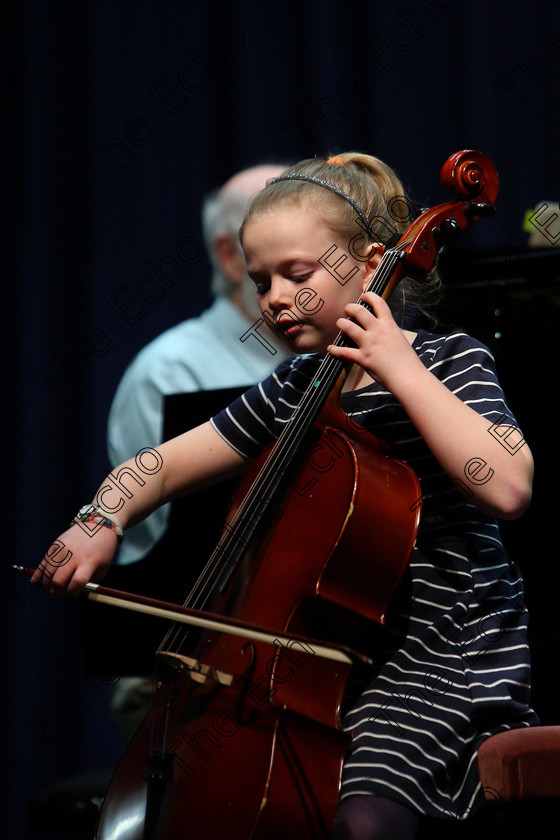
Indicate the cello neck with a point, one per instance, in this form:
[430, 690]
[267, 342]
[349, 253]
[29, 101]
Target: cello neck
[329, 373]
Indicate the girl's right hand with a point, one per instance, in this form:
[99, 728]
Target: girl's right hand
[76, 558]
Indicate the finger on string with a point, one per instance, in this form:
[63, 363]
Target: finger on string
[359, 313]
[348, 353]
[351, 329]
[377, 303]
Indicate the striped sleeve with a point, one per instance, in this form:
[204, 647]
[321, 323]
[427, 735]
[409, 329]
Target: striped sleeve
[468, 369]
[252, 421]
[246, 424]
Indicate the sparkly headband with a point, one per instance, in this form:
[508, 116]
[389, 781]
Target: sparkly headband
[295, 176]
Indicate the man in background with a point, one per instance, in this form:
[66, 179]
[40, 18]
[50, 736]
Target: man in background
[228, 346]
[214, 351]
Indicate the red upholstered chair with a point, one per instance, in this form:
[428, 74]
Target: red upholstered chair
[520, 774]
[521, 764]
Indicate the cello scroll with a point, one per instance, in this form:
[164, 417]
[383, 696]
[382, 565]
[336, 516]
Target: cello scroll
[468, 174]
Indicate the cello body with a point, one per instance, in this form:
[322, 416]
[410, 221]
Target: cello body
[261, 723]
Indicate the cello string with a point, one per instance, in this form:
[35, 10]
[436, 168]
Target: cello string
[271, 473]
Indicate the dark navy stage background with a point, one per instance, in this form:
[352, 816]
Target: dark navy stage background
[117, 116]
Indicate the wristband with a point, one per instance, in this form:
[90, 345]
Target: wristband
[94, 513]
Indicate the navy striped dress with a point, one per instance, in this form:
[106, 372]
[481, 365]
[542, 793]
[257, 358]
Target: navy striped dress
[451, 663]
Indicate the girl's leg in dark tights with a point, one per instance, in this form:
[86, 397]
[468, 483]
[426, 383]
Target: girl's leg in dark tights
[374, 818]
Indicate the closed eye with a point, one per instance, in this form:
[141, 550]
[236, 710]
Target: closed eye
[261, 282]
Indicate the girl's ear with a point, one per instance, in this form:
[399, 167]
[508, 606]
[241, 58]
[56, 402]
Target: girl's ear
[370, 266]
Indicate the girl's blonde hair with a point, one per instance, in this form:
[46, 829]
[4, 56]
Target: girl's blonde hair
[372, 184]
[375, 188]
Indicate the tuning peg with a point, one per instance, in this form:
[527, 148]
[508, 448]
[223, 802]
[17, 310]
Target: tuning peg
[480, 210]
[449, 232]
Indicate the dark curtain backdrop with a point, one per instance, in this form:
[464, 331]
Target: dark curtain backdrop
[117, 116]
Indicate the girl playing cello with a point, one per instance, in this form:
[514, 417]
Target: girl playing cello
[458, 615]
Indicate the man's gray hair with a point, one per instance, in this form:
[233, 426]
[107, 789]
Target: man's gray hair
[222, 215]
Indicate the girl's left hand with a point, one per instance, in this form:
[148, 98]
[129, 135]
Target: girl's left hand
[382, 348]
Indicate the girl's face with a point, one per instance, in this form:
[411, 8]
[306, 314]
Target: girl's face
[297, 294]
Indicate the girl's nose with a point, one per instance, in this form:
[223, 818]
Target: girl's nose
[280, 294]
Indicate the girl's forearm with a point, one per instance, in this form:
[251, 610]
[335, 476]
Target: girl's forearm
[495, 477]
[130, 492]
[196, 459]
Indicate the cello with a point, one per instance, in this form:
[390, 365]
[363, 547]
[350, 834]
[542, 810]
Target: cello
[257, 722]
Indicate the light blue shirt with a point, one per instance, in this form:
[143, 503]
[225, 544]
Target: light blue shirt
[216, 350]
